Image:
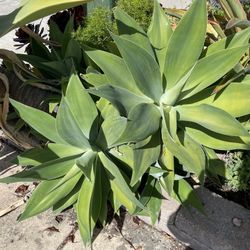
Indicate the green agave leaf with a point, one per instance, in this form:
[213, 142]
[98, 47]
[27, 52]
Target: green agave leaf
[82, 107]
[86, 161]
[84, 208]
[145, 154]
[186, 43]
[238, 39]
[55, 32]
[95, 79]
[121, 98]
[159, 31]
[46, 171]
[205, 74]
[105, 191]
[139, 124]
[43, 198]
[185, 194]
[214, 140]
[234, 99]
[111, 128]
[32, 10]
[42, 122]
[215, 165]
[52, 151]
[143, 67]
[68, 128]
[128, 28]
[69, 175]
[118, 185]
[68, 200]
[212, 118]
[167, 163]
[114, 68]
[184, 149]
[151, 198]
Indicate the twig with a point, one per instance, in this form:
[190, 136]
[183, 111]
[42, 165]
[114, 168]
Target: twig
[8, 169]
[11, 207]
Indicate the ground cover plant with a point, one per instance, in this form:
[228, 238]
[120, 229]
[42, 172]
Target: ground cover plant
[141, 121]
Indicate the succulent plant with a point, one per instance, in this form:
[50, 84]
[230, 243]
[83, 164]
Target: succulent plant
[156, 122]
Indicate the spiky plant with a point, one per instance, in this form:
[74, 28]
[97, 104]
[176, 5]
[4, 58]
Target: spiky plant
[158, 124]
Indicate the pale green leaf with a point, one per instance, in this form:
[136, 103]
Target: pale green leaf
[42, 122]
[85, 163]
[145, 153]
[45, 171]
[159, 31]
[143, 67]
[214, 140]
[211, 118]
[186, 43]
[119, 185]
[205, 73]
[68, 128]
[43, 197]
[238, 39]
[130, 29]
[234, 99]
[121, 98]
[82, 107]
[114, 68]
[138, 126]
[52, 151]
[185, 194]
[31, 10]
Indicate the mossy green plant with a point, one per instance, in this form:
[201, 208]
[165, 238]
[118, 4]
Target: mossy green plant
[140, 10]
[95, 32]
[238, 171]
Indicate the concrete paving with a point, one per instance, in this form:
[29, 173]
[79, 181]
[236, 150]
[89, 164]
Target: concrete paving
[48, 232]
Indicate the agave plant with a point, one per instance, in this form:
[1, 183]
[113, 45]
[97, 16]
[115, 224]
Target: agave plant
[163, 81]
[155, 123]
[77, 168]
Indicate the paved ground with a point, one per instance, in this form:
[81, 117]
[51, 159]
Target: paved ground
[46, 231]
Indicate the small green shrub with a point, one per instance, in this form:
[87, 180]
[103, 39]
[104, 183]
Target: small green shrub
[95, 32]
[140, 10]
[238, 171]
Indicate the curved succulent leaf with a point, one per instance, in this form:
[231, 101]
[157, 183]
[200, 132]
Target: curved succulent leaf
[159, 31]
[185, 194]
[212, 118]
[145, 154]
[68, 128]
[139, 125]
[205, 74]
[234, 99]
[238, 39]
[111, 128]
[118, 185]
[45, 171]
[185, 47]
[68, 200]
[85, 163]
[43, 197]
[214, 140]
[114, 68]
[187, 151]
[42, 122]
[128, 28]
[85, 115]
[143, 67]
[121, 98]
[32, 10]
[52, 151]
[95, 79]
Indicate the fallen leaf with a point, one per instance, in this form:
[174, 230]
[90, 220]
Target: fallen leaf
[22, 190]
[52, 229]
